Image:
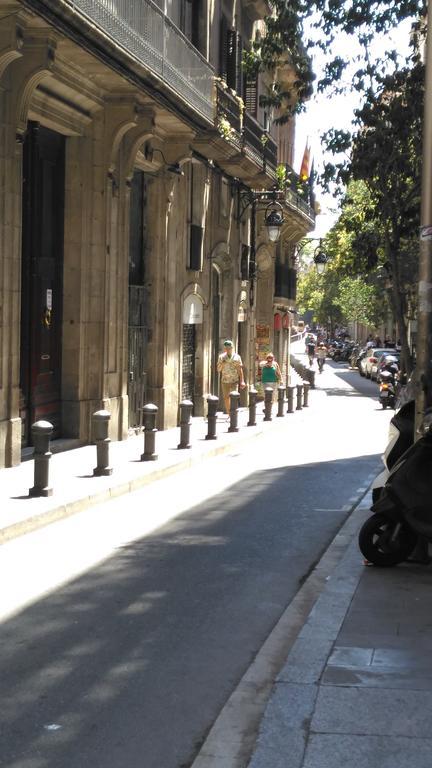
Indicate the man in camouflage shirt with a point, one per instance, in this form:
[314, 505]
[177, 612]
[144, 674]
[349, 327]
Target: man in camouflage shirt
[230, 367]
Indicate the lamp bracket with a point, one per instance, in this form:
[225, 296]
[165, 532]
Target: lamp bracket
[261, 200]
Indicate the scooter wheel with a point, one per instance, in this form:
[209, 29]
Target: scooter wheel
[377, 545]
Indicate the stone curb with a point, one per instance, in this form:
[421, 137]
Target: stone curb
[284, 729]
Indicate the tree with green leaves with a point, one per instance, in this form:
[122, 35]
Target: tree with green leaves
[385, 156]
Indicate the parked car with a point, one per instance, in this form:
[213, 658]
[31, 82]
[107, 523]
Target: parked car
[372, 360]
[391, 356]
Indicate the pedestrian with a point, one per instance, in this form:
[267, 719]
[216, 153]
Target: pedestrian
[321, 356]
[310, 348]
[230, 367]
[270, 373]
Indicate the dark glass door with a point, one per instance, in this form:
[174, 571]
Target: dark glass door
[215, 331]
[42, 278]
[188, 371]
[138, 302]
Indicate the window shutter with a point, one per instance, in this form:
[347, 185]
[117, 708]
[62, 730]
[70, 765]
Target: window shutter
[232, 58]
[223, 48]
[251, 95]
[239, 65]
[196, 241]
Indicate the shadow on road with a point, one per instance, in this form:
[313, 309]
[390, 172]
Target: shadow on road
[138, 655]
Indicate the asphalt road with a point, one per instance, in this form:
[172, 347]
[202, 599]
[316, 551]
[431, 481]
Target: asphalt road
[127, 627]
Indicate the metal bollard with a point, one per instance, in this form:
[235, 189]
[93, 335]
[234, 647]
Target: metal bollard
[212, 404]
[149, 421]
[186, 407]
[290, 397]
[41, 433]
[312, 379]
[281, 400]
[100, 434]
[299, 397]
[252, 407]
[234, 403]
[268, 403]
[306, 388]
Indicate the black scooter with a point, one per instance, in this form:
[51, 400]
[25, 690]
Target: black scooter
[387, 390]
[403, 511]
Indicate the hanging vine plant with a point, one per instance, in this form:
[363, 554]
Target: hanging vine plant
[281, 46]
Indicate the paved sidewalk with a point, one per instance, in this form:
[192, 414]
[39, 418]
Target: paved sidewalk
[75, 488]
[356, 688]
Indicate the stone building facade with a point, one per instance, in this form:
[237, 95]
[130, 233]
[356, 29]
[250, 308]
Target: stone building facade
[127, 252]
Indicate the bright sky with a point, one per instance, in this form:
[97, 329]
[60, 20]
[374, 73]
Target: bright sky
[324, 112]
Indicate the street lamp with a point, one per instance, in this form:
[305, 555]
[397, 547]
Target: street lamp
[273, 221]
[268, 200]
[320, 258]
[265, 200]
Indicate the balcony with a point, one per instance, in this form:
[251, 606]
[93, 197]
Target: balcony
[143, 32]
[295, 203]
[258, 145]
[228, 108]
[238, 143]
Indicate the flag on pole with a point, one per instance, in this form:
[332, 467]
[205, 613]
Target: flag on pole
[304, 170]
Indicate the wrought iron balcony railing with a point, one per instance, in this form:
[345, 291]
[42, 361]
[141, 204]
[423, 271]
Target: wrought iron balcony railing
[228, 107]
[143, 31]
[257, 143]
[295, 201]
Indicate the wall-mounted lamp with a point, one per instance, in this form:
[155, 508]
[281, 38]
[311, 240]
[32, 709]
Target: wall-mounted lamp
[320, 258]
[273, 218]
[171, 167]
[267, 199]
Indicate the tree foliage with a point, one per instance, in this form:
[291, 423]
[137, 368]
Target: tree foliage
[284, 43]
[358, 301]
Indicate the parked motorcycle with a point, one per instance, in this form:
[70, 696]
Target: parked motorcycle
[403, 511]
[401, 437]
[387, 390]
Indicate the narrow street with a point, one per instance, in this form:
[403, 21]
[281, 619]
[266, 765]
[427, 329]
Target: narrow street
[126, 628]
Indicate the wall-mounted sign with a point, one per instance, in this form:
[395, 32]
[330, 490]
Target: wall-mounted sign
[192, 310]
[49, 298]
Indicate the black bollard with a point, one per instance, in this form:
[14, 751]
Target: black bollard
[299, 397]
[234, 403]
[252, 407]
[41, 433]
[149, 421]
[312, 379]
[186, 407]
[212, 404]
[290, 397]
[100, 421]
[268, 403]
[281, 400]
[306, 388]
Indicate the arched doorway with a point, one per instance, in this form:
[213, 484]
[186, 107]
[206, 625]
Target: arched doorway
[42, 278]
